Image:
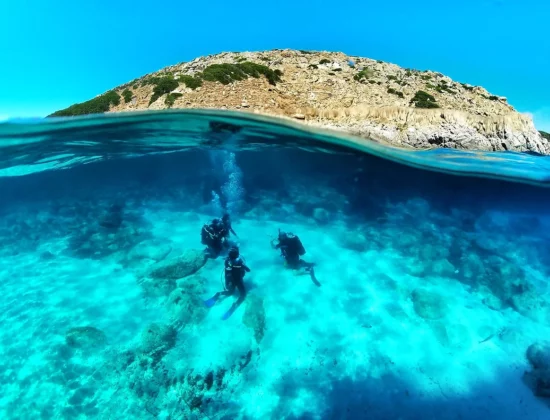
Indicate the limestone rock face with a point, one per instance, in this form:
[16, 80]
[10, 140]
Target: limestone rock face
[366, 97]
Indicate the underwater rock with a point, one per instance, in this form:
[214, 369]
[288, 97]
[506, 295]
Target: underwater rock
[356, 241]
[451, 335]
[157, 340]
[185, 308]
[175, 268]
[46, 256]
[428, 305]
[538, 355]
[443, 268]
[321, 215]
[152, 249]
[531, 305]
[85, 337]
[194, 284]
[157, 287]
[113, 217]
[492, 302]
[472, 267]
[254, 316]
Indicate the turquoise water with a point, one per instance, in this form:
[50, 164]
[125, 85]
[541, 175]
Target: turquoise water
[433, 269]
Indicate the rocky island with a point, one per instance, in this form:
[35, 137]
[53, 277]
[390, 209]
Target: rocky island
[369, 98]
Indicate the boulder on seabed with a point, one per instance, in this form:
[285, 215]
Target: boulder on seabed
[254, 316]
[538, 355]
[428, 305]
[157, 340]
[85, 337]
[185, 307]
[151, 249]
[178, 267]
[321, 215]
[355, 241]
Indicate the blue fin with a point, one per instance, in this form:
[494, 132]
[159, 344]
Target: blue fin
[211, 302]
[226, 316]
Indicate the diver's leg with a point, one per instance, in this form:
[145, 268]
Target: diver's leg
[309, 268]
[242, 295]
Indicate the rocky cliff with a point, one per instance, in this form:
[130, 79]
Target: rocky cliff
[370, 98]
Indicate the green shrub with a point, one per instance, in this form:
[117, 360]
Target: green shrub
[324, 61]
[163, 85]
[545, 135]
[331, 73]
[379, 61]
[422, 99]
[306, 52]
[171, 98]
[97, 105]
[364, 74]
[135, 86]
[337, 69]
[408, 73]
[240, 59]
[190, 81]
[395, 92]
[493, 98]
[465, 86]
[426, 77]
[227, 73]
[264, 58]
[312, 66]
[127, 95]
[392, 77]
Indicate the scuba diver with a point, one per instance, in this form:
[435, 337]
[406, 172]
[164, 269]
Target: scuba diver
[234, 269]
[216, 235]
[291, 250]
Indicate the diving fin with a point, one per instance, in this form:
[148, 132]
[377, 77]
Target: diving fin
[226, 316]
[313, 278]
[211, 302]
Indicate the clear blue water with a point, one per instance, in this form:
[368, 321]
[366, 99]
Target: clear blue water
[433, 269]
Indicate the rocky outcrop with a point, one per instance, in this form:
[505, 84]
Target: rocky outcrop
[428, 305]
[369, 98]
[178, 267]
[254, 316]
[538, 355]
[85, 338]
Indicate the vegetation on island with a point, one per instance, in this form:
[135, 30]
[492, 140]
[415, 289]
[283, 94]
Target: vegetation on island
[171, 98]
[97, 105]
[545, 135]
[423, 99]
[395, 92]
[127, 95]
[364, 75]
[166, 83]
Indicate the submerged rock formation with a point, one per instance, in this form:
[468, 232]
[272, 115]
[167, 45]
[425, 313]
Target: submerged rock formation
[85, 337]
[366, 97]
[538, 355]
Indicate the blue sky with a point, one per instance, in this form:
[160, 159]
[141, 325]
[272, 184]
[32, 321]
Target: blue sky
[54, 53]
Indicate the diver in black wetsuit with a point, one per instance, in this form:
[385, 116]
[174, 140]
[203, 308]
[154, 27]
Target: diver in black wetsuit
[216, 235]
[291, 250]
[234, 269]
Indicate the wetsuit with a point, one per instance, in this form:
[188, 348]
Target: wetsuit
[235, 269]
[213, 235]
[292, 249]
